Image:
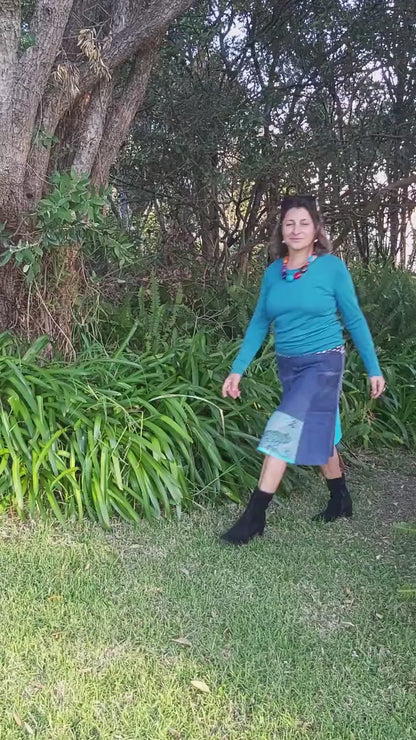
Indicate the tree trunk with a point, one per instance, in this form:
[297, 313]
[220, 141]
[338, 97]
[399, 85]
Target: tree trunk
[394, 212]
[404, 215]
[206, 197]
[53, 309]
[122, 111]
[70, 83]
[9, 43]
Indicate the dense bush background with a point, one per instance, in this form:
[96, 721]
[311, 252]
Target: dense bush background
[136, 426]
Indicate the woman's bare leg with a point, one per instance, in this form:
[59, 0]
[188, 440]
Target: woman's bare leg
[273, 470]
[332, 469]
[271, 474]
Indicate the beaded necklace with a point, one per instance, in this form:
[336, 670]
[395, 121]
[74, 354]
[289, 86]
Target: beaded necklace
[286, 275]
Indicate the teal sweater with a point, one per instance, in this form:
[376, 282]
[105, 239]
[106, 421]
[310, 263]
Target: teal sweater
[304, 314]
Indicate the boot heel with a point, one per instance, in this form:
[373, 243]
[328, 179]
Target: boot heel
[347, 512]
[346, 506]
[339, 505]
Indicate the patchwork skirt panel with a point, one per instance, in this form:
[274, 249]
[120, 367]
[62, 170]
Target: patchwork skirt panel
[306, 425]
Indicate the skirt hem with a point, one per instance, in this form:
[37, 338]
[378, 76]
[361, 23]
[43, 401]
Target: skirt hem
[293, 462]
[273, 454]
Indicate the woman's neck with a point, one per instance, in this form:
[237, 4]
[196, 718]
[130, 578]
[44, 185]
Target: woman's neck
[298, 258]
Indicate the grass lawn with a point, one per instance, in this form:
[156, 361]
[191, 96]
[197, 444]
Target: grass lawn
[299, 635]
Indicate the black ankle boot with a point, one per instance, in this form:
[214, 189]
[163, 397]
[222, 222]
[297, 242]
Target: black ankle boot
[252, 521]
[339, 505]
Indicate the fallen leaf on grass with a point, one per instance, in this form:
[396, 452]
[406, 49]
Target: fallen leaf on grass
[201, 686]
[17, 719]
[54, 597]
[183, 641]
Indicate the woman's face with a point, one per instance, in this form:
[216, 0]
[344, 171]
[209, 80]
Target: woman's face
[298, 229]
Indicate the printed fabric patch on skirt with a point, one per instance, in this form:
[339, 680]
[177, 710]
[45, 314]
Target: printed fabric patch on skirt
[306, 426]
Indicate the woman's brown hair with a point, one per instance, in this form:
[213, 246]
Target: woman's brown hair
[322, 244]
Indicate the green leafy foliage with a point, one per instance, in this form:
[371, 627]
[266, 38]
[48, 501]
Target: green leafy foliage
[72, 213]
[389, 421]
[164, 313]
[388, 297]
[147, 434]
[126, 435]
[69, 209]
[253, 98]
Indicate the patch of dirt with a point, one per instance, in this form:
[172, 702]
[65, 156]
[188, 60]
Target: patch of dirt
[391, 483]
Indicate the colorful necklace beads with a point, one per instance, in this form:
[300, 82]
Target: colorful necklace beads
[286, 275]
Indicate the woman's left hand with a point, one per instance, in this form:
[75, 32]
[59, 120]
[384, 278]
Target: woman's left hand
[378, 385]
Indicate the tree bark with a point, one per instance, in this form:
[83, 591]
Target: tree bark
[208, 213]
[93, 125]
[57, 87]
[9, 44]
[32, 71]
[32, 101]
[122, 111]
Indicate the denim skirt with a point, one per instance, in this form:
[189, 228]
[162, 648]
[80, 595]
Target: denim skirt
[305, 427]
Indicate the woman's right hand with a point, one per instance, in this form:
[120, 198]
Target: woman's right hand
[231, 386]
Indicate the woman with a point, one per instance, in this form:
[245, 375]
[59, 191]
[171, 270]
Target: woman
[301, 294]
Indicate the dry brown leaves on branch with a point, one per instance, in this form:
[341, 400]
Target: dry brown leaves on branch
[90, 47]
[67, 76]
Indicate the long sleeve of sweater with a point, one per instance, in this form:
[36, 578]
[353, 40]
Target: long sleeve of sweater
[354, 320]
[256, 332]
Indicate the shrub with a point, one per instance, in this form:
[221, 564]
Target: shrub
[147, 435]
[123, 435]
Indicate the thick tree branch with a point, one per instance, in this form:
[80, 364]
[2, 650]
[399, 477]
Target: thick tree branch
[57, 101]
[37, 163]
[47, 28]
[30, 76]
[9, 43]
[146, 23]
[141, 30]
[93, 126]
[122, 112]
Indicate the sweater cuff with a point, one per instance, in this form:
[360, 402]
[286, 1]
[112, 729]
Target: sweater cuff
[373, 368]
[238, 367]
